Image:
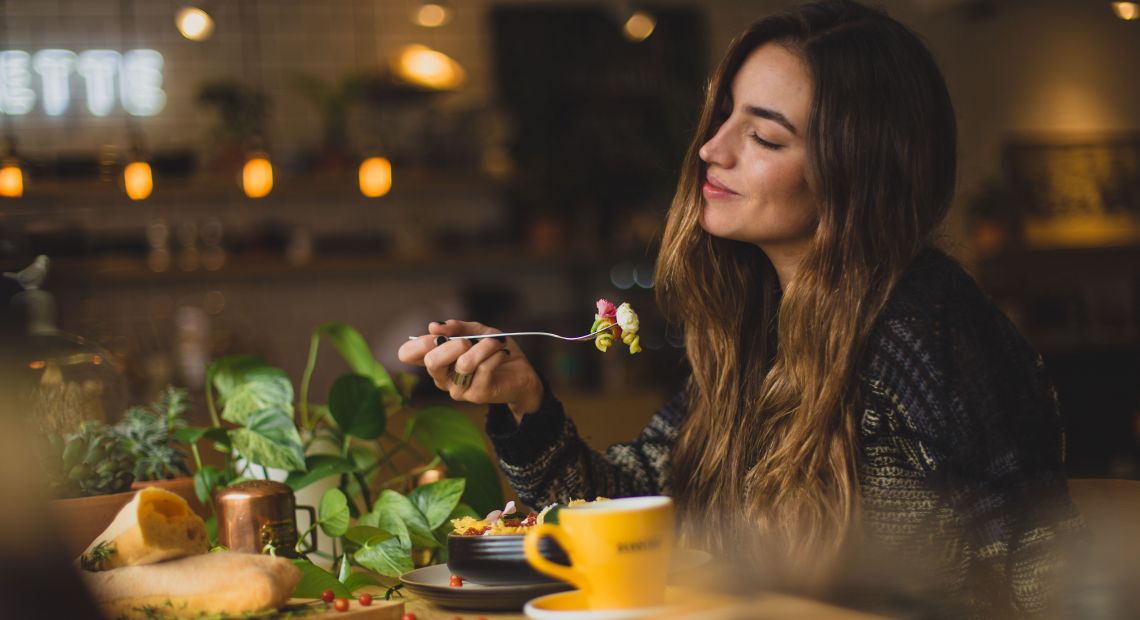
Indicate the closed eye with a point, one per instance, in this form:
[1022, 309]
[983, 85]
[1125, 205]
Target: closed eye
[764, 143]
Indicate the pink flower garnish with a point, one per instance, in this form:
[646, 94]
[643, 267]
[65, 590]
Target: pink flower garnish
[606, 309]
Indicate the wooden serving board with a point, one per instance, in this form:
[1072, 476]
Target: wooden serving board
[379, 610]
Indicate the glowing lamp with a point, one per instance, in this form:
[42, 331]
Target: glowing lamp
[11, 179]
[639, 26]
[257, 176]
[432, 15]
[423, 66]
[1128, 11]
[137, 180]
[375, 176]
[194, 23]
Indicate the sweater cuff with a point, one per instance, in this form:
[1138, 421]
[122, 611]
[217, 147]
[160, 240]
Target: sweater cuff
[522, 443]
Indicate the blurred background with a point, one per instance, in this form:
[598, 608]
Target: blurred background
[221, 177]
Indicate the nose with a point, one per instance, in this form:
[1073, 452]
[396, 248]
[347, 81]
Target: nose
[716, 150]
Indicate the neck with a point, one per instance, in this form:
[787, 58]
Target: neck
[786, 260]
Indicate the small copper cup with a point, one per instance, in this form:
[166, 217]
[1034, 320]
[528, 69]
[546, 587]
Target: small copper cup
[257, 513]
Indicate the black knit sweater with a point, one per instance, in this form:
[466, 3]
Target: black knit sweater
[960, 448]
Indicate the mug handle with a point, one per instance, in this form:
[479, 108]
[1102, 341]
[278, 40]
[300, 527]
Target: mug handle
[312, 530]
[536, 559]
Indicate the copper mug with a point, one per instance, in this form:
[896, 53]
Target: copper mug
[257, 513]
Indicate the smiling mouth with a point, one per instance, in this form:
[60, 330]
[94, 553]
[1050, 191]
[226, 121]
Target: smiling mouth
[713, 190]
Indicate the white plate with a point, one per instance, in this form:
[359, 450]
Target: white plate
[572, 606]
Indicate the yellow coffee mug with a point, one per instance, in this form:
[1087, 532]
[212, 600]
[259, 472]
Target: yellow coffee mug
[619, 550]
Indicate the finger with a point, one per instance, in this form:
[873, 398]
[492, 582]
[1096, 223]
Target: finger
[484, 386]
[453, 328]
[438, 361]
[413, 351]
[469, 361]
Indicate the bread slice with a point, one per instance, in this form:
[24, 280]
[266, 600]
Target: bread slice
[222, 583]
[156, 525]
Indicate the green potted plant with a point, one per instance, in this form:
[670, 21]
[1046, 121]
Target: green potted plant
[351, 438]
[150, 435]
[89, 472]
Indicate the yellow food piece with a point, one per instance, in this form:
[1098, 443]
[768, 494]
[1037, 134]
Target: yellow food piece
[156, 525]
[223, 583]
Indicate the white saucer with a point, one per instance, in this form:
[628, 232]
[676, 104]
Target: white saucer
[572, 606]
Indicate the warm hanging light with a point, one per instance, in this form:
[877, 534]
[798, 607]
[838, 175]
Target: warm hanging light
[194, 23]
[639, 26]
[423, 66]
[11, 179]
[375, 176]
[138, 180]
[432, 14]
[257, 176]
[1128, 11]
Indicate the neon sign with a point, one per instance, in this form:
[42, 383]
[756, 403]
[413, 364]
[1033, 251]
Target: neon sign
[134, 76]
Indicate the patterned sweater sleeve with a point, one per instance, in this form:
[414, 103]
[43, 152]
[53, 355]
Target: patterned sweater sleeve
[976, 411]
[546, 461]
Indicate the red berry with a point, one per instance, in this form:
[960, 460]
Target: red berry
[341, 604]
[328, 596]
[409, 617]
[456, 581]
[365, 599]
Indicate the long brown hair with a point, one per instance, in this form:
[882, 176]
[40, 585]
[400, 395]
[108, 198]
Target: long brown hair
[769, 447]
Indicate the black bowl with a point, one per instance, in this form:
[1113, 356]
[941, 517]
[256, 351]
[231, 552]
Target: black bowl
[499, 560]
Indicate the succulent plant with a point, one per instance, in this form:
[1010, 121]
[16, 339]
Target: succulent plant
[149, 436]
[91, 461]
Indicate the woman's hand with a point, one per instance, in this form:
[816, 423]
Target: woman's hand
[477, 371]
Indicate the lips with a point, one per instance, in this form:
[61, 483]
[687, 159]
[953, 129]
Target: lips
[713, 190]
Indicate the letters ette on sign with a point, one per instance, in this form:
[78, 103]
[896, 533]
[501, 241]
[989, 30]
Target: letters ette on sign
[135, 77]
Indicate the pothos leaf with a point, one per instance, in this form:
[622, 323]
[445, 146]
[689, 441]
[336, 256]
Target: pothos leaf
[333, 513]
[389, 558]
[315, 580]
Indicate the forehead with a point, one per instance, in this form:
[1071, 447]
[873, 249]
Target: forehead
[775, 77]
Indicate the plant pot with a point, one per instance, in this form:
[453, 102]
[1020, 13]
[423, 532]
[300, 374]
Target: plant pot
[81, 519]
[183, 487]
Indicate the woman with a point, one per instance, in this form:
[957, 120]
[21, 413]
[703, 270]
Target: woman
[852, 390]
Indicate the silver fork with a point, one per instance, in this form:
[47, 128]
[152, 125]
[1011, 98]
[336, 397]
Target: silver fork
[588, 336]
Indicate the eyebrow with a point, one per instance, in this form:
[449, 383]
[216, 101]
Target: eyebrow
[771, 115]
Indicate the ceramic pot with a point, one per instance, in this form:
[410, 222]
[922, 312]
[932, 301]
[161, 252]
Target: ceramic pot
[81, 519]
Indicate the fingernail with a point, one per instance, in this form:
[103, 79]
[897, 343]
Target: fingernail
[502, 339]
[440, 340]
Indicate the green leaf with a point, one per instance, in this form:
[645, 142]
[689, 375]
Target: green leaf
[205, 481]
[271, 440]
[191, 434]
[225, 373]
[436, 500]
[388, 521]
[551, 515]
[315, 580]
[354, 402]
[443, 427]
[363, 457]
[318, 467]
[392, 503]
[345, 571]
[356, 581]
[367, 534]
[268, 390]
[389, 558]
[333, 513]
[483, 491]
[358, 354]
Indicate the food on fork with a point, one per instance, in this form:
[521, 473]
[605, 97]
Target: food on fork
[625, 325]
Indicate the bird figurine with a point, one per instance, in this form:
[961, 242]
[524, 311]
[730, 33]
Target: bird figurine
[32, 276]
